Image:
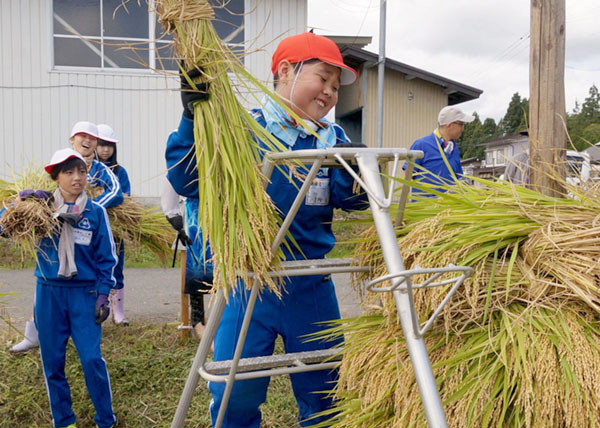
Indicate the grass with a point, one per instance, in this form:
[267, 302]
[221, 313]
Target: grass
[148, 365]
[347, 228]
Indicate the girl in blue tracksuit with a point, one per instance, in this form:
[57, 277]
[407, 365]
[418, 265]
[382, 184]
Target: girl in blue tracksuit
[308, 70]
[84, 138]
[74, 272]
[106, 152]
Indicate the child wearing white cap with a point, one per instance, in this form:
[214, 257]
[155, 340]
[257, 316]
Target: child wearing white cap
[84, 139]
[74, 273]
[106, 152]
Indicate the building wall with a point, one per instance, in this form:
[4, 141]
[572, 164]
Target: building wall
[406, 117]
[268, 23]
[38, 105]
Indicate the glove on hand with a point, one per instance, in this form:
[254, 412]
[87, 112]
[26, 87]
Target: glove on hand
[35, 194]
[177, 223]
[102, 308]
[71, 218]
[189, 95]
[349, 144]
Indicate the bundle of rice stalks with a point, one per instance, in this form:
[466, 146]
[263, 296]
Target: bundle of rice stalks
[26, 222]
[236, 214]
[517, 345]
[31, 177]
[139, 227]
[529, 365]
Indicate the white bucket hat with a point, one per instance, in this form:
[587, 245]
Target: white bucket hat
[85, 128]
[106, 133]
[60, 156]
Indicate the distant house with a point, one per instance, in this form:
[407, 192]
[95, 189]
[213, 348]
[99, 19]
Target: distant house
[63, 61]
[500, 151]
[412, 97]
[497, 153]
[594, 152]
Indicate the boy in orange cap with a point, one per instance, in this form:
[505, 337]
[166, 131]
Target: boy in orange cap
[308, 70]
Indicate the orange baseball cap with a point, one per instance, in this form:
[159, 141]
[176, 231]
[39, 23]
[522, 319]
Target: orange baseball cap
[305, 46]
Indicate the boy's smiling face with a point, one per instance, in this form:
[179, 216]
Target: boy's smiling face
[84, 144]
[315, 91]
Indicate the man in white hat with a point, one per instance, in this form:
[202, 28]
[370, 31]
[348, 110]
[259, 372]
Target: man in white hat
[440, 149]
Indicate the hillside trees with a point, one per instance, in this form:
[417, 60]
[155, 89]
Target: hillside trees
[583, 124]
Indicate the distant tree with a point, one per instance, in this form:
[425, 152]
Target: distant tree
[515, 119]
[584, 122]
[471, 139]
[590, 109]
[490, 129]
[591, 134]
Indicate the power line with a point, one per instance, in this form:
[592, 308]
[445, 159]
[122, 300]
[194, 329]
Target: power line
[102, 88]
[513, 50]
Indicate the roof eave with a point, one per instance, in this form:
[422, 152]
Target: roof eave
[457, 92]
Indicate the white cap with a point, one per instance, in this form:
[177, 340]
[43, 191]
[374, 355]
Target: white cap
[60, 156]
[451, 114]
[85, 128]
[106, 133]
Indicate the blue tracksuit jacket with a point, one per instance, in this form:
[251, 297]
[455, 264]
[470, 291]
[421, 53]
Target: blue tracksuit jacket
[101, 175]
[312, 226]
[95, 254]
[437, 171]
[123, 180]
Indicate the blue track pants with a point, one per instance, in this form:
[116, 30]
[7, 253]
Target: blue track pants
[306, 302]
[61, 312]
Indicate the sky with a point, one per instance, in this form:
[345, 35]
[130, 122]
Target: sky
[480, 43]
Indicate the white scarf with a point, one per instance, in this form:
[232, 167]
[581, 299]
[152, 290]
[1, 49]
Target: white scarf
[67, 268]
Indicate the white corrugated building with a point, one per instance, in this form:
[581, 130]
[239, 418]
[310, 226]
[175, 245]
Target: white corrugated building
[62, 61]
[50, 78]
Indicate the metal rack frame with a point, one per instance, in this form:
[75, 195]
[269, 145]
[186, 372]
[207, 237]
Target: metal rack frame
[368, 161]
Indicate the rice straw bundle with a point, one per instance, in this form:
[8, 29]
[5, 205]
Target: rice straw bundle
[138, 226]
[31, 177]
[28, 221]
[236, 214]
[517, 345]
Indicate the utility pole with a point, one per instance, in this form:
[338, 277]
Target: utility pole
[381, 72]
[547, 115]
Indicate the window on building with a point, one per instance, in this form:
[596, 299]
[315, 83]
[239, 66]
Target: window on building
[489, 158]
[126, 35]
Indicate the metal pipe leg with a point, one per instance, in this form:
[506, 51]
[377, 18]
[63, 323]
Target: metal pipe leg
[237, 355]
[430, 397]
[191, 383]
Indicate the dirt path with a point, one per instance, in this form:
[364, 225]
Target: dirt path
[150, 294]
